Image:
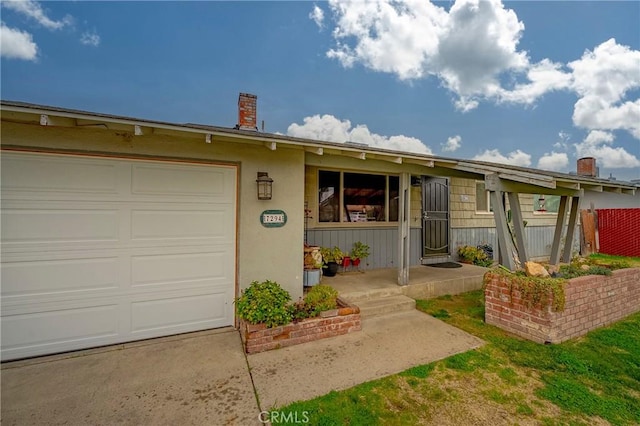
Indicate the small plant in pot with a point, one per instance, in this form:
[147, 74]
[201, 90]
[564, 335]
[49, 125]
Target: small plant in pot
[331, 258]
[358, 252]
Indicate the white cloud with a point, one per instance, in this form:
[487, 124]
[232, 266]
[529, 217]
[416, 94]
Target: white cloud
[515, 158]
[90, 39]
[563, 140]
[452, 144]
[16, 44]
[473, 50]
[556, 161]
[331, 129]
[597, 137]
[602, 79]
[33, 10]
[545, 76]
[317, 15]
[467, 48]
[598, 144]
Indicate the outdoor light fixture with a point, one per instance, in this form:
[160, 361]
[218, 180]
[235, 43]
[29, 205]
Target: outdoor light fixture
[264, 186]
[542, 204]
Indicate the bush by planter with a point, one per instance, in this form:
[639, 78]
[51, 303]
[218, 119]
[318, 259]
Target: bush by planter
[265, 302]
[321, 298]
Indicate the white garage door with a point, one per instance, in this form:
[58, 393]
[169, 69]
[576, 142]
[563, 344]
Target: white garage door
[98, 251]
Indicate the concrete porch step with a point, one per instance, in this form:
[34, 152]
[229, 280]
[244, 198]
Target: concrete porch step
[385, 305]
[359, 296]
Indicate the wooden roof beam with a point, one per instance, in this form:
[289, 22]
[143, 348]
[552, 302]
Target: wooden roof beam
[354, 154]
[317, 150]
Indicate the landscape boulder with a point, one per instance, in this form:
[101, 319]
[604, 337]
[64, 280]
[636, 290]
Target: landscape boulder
[534, 269]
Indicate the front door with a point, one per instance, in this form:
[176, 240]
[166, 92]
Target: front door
[435, 216]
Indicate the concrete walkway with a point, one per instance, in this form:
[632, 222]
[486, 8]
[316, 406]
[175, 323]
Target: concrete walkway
[205, 378]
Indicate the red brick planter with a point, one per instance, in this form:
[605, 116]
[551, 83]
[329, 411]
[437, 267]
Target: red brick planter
[258, 338]
[591, 302]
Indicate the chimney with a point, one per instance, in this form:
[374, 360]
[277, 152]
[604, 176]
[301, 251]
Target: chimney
[247, 112]
[587, 167]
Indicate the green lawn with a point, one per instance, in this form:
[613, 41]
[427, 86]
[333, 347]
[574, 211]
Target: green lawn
[509, 381]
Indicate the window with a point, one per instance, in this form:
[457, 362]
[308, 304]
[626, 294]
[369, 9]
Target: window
[357, 197]
[483, 200]
[546, 203]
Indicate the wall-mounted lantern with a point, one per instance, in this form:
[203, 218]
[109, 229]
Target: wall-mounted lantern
[264, 186]
[542, 204]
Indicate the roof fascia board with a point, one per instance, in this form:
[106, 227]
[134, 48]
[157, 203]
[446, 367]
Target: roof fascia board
[507, 172]
[550, 184]
[495, 182]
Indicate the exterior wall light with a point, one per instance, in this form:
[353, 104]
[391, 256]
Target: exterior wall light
[264, 186]
[542, 207]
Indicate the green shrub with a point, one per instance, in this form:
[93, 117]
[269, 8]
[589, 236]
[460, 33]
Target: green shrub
[575, 270]
[264, 302]
[475, 255]
[320, 298]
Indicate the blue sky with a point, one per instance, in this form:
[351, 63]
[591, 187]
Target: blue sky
[536, 84]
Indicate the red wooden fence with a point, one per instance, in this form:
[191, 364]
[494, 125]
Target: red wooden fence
[619, 231]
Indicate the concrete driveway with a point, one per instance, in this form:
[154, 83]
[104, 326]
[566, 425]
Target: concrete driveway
[206, 379]
[194, 379]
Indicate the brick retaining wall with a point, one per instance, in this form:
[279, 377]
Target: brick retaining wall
[592, 301]
[258, 338]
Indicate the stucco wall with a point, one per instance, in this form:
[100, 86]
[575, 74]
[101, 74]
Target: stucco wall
[263, 253]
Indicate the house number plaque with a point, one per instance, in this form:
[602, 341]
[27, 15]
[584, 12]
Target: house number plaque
[273, 218]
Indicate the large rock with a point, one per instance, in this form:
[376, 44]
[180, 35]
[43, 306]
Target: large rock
[534, 269]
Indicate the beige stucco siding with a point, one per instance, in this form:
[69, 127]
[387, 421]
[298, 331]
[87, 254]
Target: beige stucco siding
[259, 250]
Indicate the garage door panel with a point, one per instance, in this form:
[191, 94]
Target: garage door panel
[182, 268]
[48, 174]
[187, 312]
[35, 333]
[97, 251]
[182, 181]
[29, 279]
[188, 223]
[58, 225]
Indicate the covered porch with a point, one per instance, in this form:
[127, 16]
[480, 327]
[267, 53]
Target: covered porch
[376, 291]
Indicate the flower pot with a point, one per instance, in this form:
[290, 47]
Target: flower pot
[311, 277]
[355, 262]
[346, 261]
[330, 270]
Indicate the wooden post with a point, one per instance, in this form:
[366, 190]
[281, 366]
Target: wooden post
[404, 227]
[554, 259]
[571, 227]
[504, 241]
[518, 226]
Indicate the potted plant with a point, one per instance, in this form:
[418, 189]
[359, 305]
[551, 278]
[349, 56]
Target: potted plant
[312, 266]
[331, 258]
[359, 251]
[474, 255]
